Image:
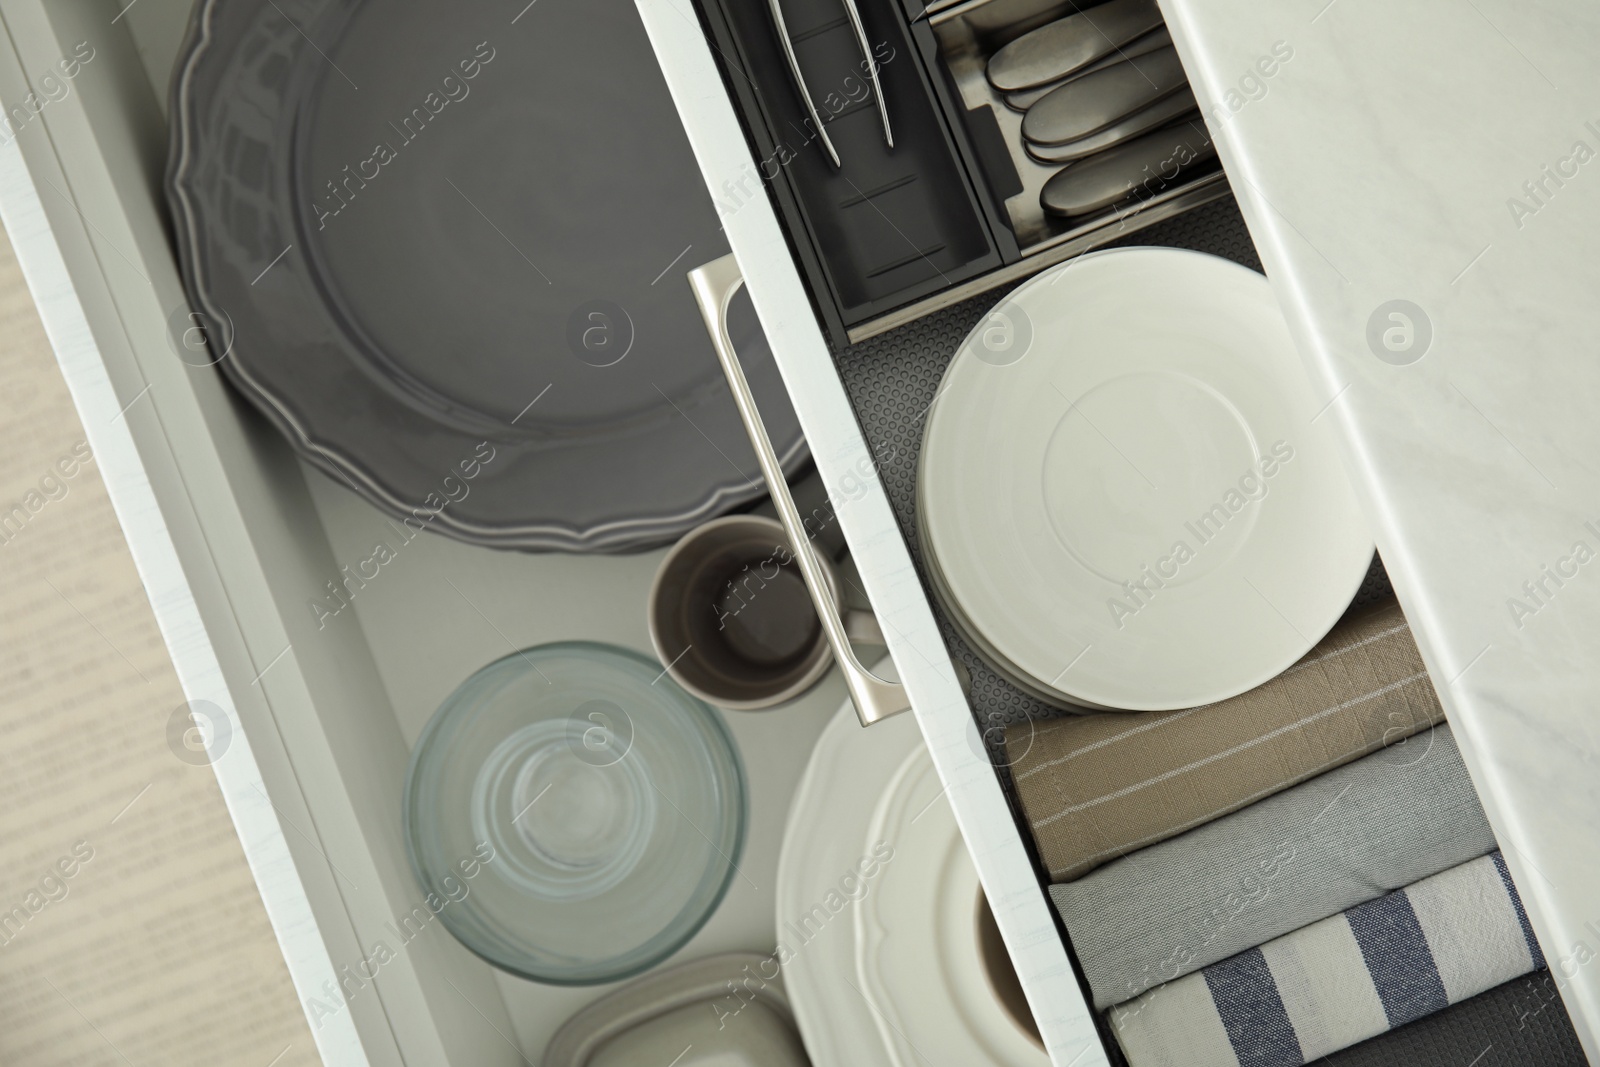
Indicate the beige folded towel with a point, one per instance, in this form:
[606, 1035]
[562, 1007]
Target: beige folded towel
[1095, 787]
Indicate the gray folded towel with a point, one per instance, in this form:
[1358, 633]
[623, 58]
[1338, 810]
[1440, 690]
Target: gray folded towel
[1341, 980]
[1326, 845]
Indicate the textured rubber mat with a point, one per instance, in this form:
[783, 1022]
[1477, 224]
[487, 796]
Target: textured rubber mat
[1520, 1024]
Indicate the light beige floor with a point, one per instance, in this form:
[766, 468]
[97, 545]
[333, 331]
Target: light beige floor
[156, 949]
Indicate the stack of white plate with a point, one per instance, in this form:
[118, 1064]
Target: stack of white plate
[889, 956]
[1129, 495]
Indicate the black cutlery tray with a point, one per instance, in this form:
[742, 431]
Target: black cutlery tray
[893, 234]
[889, 225]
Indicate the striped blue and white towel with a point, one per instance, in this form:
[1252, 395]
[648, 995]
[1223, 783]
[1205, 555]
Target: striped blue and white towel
[1349, 977]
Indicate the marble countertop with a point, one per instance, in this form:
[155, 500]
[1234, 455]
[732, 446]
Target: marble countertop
[1423, 182]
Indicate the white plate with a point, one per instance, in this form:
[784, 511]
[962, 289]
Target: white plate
[918, 953]
[1139, 416]
[688, 1004]
[824, 844]
[975, 640]
[863, 796]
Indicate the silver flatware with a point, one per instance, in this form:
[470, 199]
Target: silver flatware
[1158, 114]
[1055, 50]
[1023, 99]
[853, 13]
[1092, 103]
[800, 81]
[1139, 168]
[871, 63]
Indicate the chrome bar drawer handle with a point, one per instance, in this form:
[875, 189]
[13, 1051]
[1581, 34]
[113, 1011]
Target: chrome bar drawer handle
[714, 286]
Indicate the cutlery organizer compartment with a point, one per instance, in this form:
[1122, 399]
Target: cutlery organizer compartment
[952, 208]
[967, 35]
[888, 225]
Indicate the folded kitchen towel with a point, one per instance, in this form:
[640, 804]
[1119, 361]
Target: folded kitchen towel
[1344, 979]
[1355, 833]
[1094, 787]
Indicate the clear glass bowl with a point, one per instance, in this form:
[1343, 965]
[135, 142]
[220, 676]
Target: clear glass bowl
[572, 814]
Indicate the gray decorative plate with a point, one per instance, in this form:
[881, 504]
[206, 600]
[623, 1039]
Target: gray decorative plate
[442, 248]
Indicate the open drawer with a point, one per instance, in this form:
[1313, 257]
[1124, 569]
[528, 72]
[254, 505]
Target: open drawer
[236, 541]
[885, 234]
[861, 380]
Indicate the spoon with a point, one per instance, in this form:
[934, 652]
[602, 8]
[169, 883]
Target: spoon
[1179, 104]
[1023, 99]
[1095, 101]
[1142, 167]
[1056, 49]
